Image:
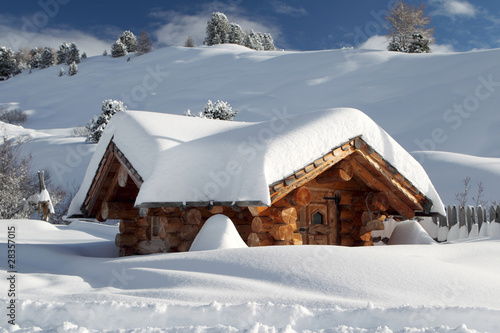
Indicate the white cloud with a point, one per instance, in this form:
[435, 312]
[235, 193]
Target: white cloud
[283, 8]
[30, 36]
[453, 8]
[180, 26]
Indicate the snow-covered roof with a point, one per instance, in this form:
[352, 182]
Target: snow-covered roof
[187, 159]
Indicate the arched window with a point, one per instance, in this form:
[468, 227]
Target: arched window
[317, 218]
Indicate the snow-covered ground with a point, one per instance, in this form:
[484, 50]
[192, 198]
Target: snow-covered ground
[436, 103]
[70, 280]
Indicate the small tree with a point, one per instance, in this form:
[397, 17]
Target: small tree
[8, 63]
[221, 110]
[36, 54]
[189, 42]
[408, 29]
[144, 44]
[236, 34]
[129, 40]
[118, 49]
[72, 69]
[61, 53]
[217, 29]
[99, 122]
[84, 56]
[47, 58]
[105, 53]
[72, 54]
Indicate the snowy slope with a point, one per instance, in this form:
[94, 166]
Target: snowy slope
[438, 102]
[70, 280]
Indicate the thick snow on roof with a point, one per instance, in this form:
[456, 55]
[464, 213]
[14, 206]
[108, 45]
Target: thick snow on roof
[187, 160]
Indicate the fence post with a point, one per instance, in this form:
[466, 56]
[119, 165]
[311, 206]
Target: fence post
[479, 217]
[452, 216]
[497, 214]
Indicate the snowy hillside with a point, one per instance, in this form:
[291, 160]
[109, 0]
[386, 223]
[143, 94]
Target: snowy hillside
[442, 102]
[69, 280]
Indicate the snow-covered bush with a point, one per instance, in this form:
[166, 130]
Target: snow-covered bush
[72, 69]
[220, 110]
[61, 72]
[84, 56]
[144, 44]
[118, 49]
[99, 122]
[189, 42]
[14, 117]
[8, 63]
[128, 39]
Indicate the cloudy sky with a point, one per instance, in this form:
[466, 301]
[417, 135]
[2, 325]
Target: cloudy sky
[460, 25]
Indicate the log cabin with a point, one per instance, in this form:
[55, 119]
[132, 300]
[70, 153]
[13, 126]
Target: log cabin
[325, 178]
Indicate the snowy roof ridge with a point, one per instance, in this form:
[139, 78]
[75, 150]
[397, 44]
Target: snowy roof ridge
[186, 159]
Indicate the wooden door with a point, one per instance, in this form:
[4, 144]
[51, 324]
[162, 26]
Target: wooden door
[322, 223]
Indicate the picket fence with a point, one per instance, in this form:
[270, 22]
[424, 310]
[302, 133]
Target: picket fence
[464, 222]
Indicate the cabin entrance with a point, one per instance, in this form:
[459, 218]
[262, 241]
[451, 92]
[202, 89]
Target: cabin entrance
[321, 218]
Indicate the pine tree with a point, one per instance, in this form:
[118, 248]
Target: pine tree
[217, 29]
[129, 40]
[118, 49]
[99, 122]
[144, 44]
[236, 34]
[61, 53]
[61, 72]
[72, 69]
[221, 110]
[84, 56]
[8, 63]
[72, 54]
[105, 53]
[407, 26]
[47, 58]
[23, 57]
[254, 41]
[189, 42]
[268, 42]
[35, 57]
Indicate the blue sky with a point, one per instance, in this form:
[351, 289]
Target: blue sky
[460, 25]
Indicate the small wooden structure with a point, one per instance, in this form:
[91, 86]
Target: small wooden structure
[336, 199]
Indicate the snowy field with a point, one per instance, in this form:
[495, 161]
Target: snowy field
[70, 280]
[445, 105]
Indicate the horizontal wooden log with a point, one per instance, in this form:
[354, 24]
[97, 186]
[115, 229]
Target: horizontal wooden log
[173, 224]
[125, 240]
[282, 242]
[184, 246]
[347, 213]
[283, 214]
[297, 239]
[150, 246]
[118, 210]
[126, 251]
[172, 240]
[244, 231]
[127, 226]
[122, 176]
[374, 225]
[346, 226]
[260, 239]
[142, 233]
[340, 172]
[192, 216]
[142, 222]
[347, 240]
[319, 229]
[188, 231]
[281, 231]
[262, 223]
[299, 197]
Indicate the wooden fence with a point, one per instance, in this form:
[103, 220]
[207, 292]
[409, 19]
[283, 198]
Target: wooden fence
[463, 222]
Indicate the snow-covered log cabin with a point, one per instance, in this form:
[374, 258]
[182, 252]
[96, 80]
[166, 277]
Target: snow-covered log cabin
[327, 177]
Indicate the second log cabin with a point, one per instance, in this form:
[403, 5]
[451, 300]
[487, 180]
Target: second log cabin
[327, 178]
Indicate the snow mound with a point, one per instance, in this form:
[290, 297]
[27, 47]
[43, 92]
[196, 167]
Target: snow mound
[410, 232]
[218, 232]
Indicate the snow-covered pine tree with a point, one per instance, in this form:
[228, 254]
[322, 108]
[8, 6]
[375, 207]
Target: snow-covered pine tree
[35, 57]
[23, 56]
[105, 53]
[61, 72]
[189, 42]
[118, 49]
[144, 44]
[405, 22]
[221, 110]
[72, 54]
[236, 34]
[129, 40]
[72, 69]
[254, 41]
[99, 122]
[217, 29]
[61, 53]
[84, 55]
[8, 63]
[47, 58]
[268, 42]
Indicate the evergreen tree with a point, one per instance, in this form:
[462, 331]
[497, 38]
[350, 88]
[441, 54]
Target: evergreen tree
[189, 42]
[129, 40]
[72, 54]
[8, 63]
[72, 69]
[61, 53]
[254, 41]
[61, 72]
[35, 57]
[236, 34]
[407, 26]
[118, 49]
[144, 44]
[217, 29]
[84, 56]
[47, 58]
[221, 110]
[23, 57]
[105, 53]
[99, 122]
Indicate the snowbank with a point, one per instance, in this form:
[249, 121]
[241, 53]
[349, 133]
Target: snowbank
[409, 232]
[218, 232]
